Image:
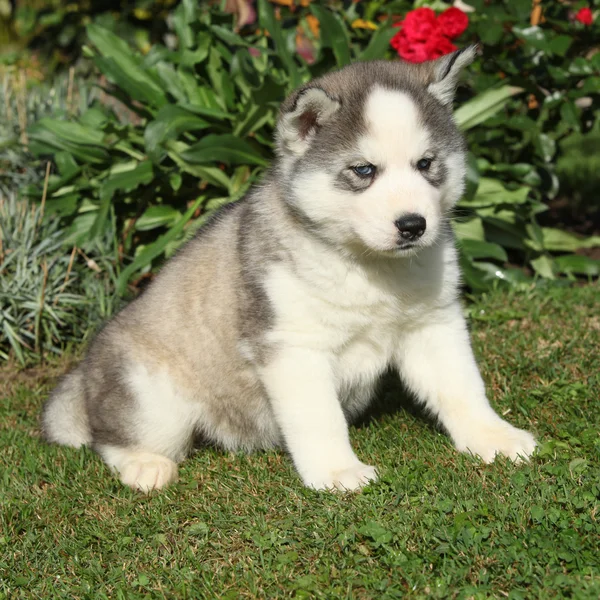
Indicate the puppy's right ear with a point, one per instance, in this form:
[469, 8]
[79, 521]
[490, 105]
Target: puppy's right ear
[302, 115]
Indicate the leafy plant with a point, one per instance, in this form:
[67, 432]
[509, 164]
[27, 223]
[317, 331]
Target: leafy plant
[48, 298]
[202, 112]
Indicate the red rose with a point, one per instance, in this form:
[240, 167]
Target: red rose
[585, 16]
[413, 51]
[417, 51]
[453, 22]
[438, 45]
[419, 24]
[424, 37]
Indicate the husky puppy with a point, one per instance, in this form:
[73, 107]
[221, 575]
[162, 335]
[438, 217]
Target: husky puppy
[272, 326]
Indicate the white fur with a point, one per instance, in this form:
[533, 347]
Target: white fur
[340, 321]
[143, 471]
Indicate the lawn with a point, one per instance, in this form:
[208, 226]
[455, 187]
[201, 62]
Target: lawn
[437, 524]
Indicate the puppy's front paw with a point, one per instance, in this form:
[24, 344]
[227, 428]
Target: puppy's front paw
[487, 440]
[347, 480]
[145, 471]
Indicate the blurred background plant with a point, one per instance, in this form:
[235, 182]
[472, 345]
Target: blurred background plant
[48, 298]
[154, 114]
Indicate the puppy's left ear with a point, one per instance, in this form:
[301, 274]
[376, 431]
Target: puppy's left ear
[302, 115]
[446, 71]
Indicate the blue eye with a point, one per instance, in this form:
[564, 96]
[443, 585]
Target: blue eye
[364, 170]
[424, 164]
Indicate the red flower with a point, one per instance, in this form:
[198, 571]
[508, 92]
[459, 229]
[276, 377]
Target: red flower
[424, 37]
[439, 45]
[453, 22]
[584, 15]
[419, 24]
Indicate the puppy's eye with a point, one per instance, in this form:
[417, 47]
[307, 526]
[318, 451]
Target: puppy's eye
[424, 164]
[364, 171]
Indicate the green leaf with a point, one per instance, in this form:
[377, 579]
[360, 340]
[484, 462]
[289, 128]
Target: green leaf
[545, 146]
[560, 44]
[484, 105]
[267, 20]
[334, 34]
[579, 265]
[206, 111]
[172, 82]
[544, 266]
[491, 192]
[225, 148]
[379, 43]
[125, 177]
[150, 252]
[469, 229]
[48, 136]
[157, 216]
[478, 249]
[558, 240]
[170, 122]
[122, 67]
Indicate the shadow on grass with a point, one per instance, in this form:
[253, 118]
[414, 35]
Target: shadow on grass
[391, 398]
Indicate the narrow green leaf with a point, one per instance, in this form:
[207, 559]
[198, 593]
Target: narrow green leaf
[484, 105]
[379, 43]
[266, 19]
[334, 34]
[157, 216]
[123, 67]
[225, 148]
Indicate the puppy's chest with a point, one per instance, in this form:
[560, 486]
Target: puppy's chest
[355, 319]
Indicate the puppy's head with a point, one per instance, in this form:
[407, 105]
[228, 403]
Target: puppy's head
[370, 157]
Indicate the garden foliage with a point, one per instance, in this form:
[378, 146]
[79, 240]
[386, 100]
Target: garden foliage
[48, 298]
[202, 110]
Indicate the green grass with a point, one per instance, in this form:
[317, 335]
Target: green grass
[437, 524]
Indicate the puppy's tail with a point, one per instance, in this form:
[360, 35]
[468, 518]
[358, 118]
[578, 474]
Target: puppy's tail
[64, 417]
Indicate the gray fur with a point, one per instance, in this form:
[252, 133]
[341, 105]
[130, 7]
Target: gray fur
[206, 315]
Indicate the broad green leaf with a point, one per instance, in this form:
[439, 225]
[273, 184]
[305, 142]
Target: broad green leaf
[477, 249]
[155, 249]
[334, 34]
[170, 122]
[544, 266]
[469, 229]
[491, 192]
[379, 43]
[172, 82]
[125, 178]
[563, 241]
[484, 105]
[157, 216]
[545, 146]
[225, 148]
[579, 265]
[137, 89]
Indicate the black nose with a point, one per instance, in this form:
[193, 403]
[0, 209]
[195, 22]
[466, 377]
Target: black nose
[411, 226]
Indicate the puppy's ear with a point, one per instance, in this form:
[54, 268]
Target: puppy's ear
[302, 115]
[446, 71]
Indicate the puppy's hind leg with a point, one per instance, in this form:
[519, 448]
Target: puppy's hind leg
[159, 422]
